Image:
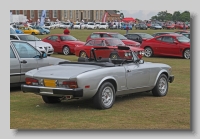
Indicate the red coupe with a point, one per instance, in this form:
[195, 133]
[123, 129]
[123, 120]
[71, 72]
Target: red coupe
[113, 35]
[167, 45]
[63, 43]
[111, 43]
[169, 26]
[179, 25]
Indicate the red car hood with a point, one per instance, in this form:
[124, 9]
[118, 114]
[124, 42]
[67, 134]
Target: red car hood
[136, 49]
[127, 42]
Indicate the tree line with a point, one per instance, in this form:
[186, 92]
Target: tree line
[176, 16]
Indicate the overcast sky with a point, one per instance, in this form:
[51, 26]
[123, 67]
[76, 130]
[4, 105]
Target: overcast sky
[143, 14]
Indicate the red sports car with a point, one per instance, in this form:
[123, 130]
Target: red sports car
[63, 43]
[113, 35]
[169, 26]
[167, 45]
[111, 43]
[180, 26]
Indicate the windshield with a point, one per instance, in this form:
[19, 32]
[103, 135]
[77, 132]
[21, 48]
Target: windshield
[77, 23]
[47, 24]
[68, 38]
[90, 23]
[114, 42]
[103, 24]
[183, 39]
[146, 36]
[119, 36]
[12, 31]
[28, 38]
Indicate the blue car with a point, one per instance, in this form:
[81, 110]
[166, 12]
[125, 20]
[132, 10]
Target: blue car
[124, 25]
[19, 31]
[42, 30]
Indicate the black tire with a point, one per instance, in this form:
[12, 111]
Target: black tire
[186, 54]
[105, 96]
[50, 99]
[83, 54]
[33, 33]
[161, 87]
[148, 52]
[66, 50]
[114, 56]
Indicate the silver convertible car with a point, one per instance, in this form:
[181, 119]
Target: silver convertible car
[101, 79]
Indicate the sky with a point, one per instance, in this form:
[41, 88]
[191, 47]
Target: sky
[143, 14]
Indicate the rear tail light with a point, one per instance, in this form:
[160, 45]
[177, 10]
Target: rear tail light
[31, 81]
[70, 84]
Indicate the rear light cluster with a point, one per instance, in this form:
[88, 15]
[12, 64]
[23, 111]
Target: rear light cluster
[66, 84]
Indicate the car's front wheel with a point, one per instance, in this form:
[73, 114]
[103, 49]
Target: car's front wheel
[186, 54]
[148, 52]
[105, 96]
[50, 99]
[66, 50]
[161, 87]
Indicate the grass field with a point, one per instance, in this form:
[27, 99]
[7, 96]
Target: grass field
[135, 111]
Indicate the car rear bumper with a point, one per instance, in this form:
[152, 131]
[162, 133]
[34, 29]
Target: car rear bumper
[171, 78]
[41, 90]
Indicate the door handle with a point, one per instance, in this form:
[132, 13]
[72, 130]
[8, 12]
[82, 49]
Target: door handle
[128, 70]
[24, 61]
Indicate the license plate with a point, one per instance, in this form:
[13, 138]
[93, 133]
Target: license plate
[49, 83]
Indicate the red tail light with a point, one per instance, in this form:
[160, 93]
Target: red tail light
[70, 84]
[31, 81]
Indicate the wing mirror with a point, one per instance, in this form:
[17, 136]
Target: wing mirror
[175, 42]
[58, 40]
[44, 55]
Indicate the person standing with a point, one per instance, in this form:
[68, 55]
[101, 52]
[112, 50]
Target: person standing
[183, 26]
[127, 28]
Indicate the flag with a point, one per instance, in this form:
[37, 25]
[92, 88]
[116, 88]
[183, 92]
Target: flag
[104, 17]
[43, 16]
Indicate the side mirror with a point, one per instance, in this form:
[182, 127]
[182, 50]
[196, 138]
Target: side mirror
[58, 40]
[175, 42]
[144, 39]
[44, 55]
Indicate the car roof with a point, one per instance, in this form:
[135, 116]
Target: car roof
[138, 33]
[104, 38]
[17, 41]
[173, 34]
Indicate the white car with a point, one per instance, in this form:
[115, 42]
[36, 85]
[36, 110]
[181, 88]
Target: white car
[91, 25]
[34, 41]
[97, 24]
[49, 25]
[84, 25]
[56, 24]
[65, 25]
[77, 25]
[103, 25]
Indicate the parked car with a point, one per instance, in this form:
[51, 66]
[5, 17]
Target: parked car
[167, 45]
[29, 30]
[63, 43]
[155, 26]
[169, 26]
[24, 57]
[124, 25]
[97, 25]
[34, 41]
[95, 79]
[111, 43]
[91, 25]
[77, 25]
[84, 25]
[161, 33]
[180, 25]
[186, 35]
[182, 31]
[42, 30]
[49, 25]
[141, 26]
[138, 37]
[103, 25]
[64, 25]
[114, 35]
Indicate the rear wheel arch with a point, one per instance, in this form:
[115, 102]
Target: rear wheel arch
[111, 80]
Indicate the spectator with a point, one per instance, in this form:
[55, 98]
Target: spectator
[127, 28]
[66, 31]
[183, 26]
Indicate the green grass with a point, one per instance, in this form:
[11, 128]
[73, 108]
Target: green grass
[135, 111]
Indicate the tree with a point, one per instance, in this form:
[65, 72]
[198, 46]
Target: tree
[176, 16]
[161, 15]
[154, 18]
[185, 16]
